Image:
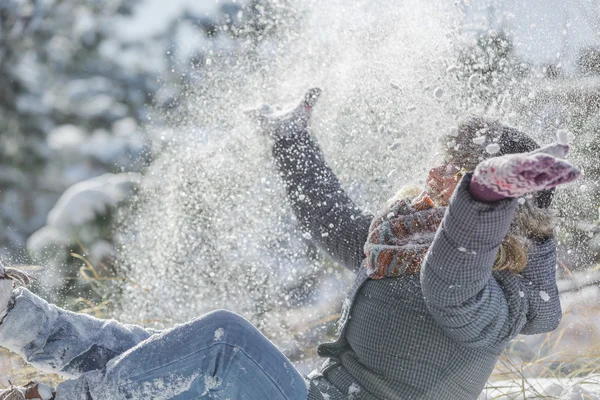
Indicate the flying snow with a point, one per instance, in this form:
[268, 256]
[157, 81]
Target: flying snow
[492, 148]
[474, 80]
[219, 334]
[562, 137]
[479, 140]
[353, 391]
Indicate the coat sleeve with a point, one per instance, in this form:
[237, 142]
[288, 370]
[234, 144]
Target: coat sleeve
[321, 206]
[541, 293]
[58, 341]
[456, 277]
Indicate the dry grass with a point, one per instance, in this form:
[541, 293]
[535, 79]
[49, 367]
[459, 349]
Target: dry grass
[571, 353]
[13, 369]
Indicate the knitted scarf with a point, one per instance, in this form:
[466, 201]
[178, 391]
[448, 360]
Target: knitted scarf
[400, 236]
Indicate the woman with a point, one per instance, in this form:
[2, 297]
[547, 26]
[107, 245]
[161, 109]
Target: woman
[426, 318]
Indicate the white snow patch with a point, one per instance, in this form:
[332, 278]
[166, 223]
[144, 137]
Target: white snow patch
[545, 296]
[474, 80]
[301, 197]
[46, 238]
[101, 250]
[45, 391]
[66, 137]
[577, 392]
[492, 148]
[454, 131]
[353, 391]
[219, 334]
[565, 389]
[210, 383]
[521, 200]
[554, 389]
[562, 137]
[462, 249]
[521, 293]
[479, 140]
[86, 200]
[395, 145]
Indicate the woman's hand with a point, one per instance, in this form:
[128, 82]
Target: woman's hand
[515, 175]
[279, 124]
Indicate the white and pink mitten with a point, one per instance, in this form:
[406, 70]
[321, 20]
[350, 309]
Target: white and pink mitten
[279, 124]
[515, 175]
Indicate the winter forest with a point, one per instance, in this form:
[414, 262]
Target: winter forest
[134, 186]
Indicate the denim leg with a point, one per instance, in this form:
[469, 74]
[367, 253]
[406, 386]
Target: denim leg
[218, 356]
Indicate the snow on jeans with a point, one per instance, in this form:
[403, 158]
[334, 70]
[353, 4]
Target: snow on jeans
[217, 356]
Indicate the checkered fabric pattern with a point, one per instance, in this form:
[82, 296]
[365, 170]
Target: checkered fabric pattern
[433, 336]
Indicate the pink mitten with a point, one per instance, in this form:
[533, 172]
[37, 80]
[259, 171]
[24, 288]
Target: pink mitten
[515, 175]
[280, 124]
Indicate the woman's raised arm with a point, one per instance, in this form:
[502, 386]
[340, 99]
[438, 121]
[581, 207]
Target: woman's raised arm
[473, 307]
[322, 207]
[456, 276]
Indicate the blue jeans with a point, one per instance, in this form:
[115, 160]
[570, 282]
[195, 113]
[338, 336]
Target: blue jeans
[218, 356]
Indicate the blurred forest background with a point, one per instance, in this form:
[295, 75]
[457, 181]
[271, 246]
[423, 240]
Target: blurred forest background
[132, 186]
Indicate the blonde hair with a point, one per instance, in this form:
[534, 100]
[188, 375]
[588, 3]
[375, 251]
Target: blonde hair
[512, 255]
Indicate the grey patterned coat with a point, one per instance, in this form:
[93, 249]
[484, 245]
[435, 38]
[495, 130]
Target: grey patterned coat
[433, 336]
